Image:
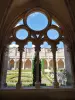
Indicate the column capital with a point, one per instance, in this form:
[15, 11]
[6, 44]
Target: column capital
[21, 48]
[37, 48]
[53, 48]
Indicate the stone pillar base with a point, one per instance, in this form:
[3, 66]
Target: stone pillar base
[18, 85]
[37, 85]
[56, 85]
[3, 85]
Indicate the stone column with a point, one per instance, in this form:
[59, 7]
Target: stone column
[67, 59]
[64, 62]
[69, 64]
[73, 68]
[56, 84]
[18, 85]
[37, 83]
[4, 71]
[0, 69]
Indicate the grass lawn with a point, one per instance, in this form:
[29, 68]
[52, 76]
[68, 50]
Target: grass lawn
[26, 78]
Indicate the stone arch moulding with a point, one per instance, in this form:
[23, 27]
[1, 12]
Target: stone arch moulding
[22, 15]
[34, 33]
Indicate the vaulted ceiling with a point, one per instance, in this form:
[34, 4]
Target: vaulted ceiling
[62, 10]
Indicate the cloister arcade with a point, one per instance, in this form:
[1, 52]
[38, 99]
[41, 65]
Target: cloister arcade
[37, 36]
[27, 61]
[42, 68]
[28, 64]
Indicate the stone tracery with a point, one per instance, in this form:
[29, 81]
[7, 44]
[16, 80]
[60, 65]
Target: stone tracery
[35, 36]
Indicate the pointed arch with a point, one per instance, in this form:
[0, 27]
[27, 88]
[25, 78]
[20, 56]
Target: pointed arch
[11, 63]
[27, 64]
[60, 64]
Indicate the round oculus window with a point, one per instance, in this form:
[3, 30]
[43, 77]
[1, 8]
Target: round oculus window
[22, 34]
[37, 21]
[52, 34]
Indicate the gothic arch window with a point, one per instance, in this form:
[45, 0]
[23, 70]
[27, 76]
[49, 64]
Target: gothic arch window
[37, 30]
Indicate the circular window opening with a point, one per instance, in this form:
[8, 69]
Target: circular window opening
[22, 34]
[52, 34]
[37, 21]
